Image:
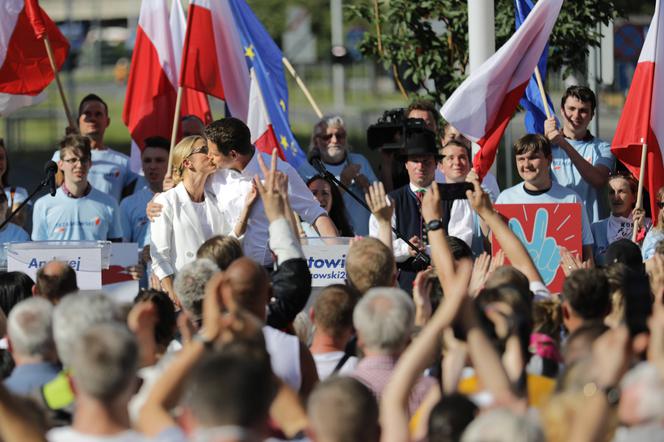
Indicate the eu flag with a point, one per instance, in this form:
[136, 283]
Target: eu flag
[264, 56]
[532, 99]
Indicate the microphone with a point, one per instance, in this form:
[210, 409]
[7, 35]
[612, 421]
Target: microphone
[50, 169]
[314, 159]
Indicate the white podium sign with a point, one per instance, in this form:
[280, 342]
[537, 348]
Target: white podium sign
[326, 258]
[85, 260]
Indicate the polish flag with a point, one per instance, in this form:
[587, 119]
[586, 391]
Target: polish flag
[152, 87]
[642, 119]
[213, 60]
[25, 70]
[258, 121]
[483, 105]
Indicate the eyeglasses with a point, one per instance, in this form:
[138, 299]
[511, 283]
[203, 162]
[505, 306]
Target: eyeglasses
[328, 137]
[201, 149]
[75, 160]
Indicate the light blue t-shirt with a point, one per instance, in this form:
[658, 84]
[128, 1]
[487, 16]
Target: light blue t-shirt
[110, 171]
[135, 223]
[11, 233]
[597, 152]
[557, 194]
[93, 217]
[358, 216]
[650, 243]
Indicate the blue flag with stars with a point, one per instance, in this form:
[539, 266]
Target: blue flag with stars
[264, 56]
[532, 99]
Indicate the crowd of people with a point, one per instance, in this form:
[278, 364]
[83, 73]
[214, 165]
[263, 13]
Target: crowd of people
[430, 337]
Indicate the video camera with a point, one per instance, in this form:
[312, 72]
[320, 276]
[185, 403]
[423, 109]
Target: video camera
[391, 129]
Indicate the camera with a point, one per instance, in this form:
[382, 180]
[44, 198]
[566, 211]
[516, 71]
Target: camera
[391, 129]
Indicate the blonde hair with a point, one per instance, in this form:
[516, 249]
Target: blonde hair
[181, 152]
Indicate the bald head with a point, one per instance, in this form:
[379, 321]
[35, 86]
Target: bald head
[55, 280]
[249, 284]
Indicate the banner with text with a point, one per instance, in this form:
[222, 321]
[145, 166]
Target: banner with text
[326, 261]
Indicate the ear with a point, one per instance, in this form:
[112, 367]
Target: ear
[10, 347]
[566, 311]
[640, 343]
[312, 315]
[34, 290]
[108, 121]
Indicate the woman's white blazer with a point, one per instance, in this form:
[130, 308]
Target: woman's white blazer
[177, 233]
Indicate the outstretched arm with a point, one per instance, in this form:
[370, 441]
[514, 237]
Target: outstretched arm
[514, 250]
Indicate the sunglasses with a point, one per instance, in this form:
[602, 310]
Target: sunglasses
[202, 149]
[328, 137]
[660, 204]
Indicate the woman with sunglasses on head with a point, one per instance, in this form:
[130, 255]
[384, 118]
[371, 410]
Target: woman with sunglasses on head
[656, 234]
[190, 213]
[624, 217]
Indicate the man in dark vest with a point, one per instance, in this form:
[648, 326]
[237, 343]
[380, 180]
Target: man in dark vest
[421, 155]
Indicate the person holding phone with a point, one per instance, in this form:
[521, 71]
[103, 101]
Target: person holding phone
[421, 155]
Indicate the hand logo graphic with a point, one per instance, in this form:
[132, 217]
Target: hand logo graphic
[543, 251]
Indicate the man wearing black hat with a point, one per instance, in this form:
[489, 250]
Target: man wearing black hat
[421, 154]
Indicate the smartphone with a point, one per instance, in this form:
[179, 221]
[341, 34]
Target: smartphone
[454, 191]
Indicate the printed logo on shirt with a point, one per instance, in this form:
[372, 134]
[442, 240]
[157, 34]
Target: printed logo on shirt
[60, 229]
[63, 226]
[97, 220]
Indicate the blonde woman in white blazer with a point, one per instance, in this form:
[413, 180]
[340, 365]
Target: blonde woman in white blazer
[190, 214]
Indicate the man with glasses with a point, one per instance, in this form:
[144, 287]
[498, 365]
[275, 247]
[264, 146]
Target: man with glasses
[110, 172]
[78, 211]
[352, 169]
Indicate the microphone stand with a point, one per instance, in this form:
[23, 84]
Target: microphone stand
[43, 184]
[325, 174]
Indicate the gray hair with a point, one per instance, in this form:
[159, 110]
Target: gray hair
[502, 425]
[384, 319]
[75, 313]
[105, 360]
[325, 122]
[189, 284]
[30, 327]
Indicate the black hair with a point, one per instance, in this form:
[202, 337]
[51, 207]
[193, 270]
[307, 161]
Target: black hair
[14, 288]
[164, 330]
[229, 134]
[338, 212]
[581, 93]
[158, 142]
[91, 97]
[450, 417]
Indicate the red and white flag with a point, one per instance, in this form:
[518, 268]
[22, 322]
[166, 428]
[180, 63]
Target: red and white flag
[25, 70]
[642, 119]
[485, 102]
[258, 121]
[152, 87]
[213, 60]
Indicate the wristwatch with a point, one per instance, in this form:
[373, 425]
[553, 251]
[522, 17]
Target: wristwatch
[434, 224]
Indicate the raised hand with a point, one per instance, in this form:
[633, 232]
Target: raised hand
[543, 250]
[270, 192]
[551, 131]
[431, 208]
[377, 201]
[478, 198]
[480, 274]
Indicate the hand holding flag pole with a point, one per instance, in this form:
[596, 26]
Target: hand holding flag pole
[639, 194]
[540, 86]
[39, 27]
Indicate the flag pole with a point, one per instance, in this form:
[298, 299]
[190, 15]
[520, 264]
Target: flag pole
[639, 194]
[540, 86]
[302, 86]
[51, 59]
[174, 132]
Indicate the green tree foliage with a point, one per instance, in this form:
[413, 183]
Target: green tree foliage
[410, 42]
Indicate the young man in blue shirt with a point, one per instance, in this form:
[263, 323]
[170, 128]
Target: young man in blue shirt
[580, 161]
[533, 162]
[78, 211]
[110, 172]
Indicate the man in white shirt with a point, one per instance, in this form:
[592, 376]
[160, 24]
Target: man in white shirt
[229, 145]
[533, 162]
[421, 156]
[110, 172]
